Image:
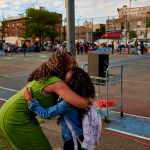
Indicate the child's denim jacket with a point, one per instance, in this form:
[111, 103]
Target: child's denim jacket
[71, 113]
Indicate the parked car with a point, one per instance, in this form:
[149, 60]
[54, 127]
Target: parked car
[103, 42]
[147, 44]
[108, 42]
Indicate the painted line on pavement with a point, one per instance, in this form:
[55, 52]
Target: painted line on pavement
[131, 115]
[129, 134]
[3, 99]
[122, 125]
[8, 89]
[137, 81]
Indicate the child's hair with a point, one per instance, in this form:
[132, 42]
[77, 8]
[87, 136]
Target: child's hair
[81, 83]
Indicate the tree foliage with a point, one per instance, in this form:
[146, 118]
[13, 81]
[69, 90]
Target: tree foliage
[100, 31]
[41, 22]
[2, 29]
[132, 34]
[148, 19]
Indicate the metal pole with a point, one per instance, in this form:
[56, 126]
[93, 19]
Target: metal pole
[126, 28]
[87, 32]
[3, 30]
[70, 13]
[78, 30]
[92, 30]
[108, 27]
[147, 19]
[129, 3]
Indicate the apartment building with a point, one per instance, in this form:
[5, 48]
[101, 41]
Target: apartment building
[130, 19]
[14, 30]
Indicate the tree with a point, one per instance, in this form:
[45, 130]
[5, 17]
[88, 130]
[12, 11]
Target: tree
[148, 19]
[41, 23]
[100, 31]
[132, 34]
[2, 29]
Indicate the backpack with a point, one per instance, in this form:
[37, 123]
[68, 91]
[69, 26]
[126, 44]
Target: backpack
[91, 125]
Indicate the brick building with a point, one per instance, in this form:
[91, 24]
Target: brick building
[130, 19]
[14, 30]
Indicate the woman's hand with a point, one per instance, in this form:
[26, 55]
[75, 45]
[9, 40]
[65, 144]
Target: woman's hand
[27, 94]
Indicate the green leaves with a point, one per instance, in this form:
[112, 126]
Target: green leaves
[41, 21]
[148, 19]
[132, 34]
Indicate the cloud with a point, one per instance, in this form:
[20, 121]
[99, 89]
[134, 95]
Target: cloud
[83, 8]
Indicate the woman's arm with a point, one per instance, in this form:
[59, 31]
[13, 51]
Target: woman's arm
[55, 110]
[63, 90]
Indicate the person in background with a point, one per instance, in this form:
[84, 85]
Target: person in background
[24, 46]
[112, 47]
[47, 83]
[136, 47]
[142, 47]
[128, 47]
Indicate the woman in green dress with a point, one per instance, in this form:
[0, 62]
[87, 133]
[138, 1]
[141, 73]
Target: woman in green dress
[20, 124]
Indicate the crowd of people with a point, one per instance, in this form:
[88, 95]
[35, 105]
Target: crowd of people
[139, 47]
[115, 47]
[81, 47]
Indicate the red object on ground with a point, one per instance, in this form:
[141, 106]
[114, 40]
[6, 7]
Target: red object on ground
[102, 103]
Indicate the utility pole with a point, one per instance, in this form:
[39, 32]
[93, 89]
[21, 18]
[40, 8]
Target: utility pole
[127, 32]
[147, 19]
[78, 30]
[130, 3]
[70, 13]
[3, 30]
[92, 31]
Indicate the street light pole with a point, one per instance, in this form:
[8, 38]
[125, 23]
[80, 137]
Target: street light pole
[70, 13]
[126, 28]
[147, 18]
[78, 30]
[92, 31]
[3, 30]
[130, 3]
[129, 14]
[87, 30]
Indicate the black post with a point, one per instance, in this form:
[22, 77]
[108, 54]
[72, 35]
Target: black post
[40, 40]
[126, 28]
[146, 27]
[78, 30]
[92, 30]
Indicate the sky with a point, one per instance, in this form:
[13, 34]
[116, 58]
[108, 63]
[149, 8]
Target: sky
[83, 8]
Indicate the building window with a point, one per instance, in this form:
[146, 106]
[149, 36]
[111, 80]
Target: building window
[122, 25]
[138, 24]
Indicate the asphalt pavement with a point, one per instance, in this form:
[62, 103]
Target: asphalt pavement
[15, 69]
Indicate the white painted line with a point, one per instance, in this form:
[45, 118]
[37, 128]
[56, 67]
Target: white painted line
[3, 99]
[137, 81]
[132, 115]
[128, 134]
[9, 89]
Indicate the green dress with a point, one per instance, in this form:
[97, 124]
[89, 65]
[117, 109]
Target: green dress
[20, 124]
